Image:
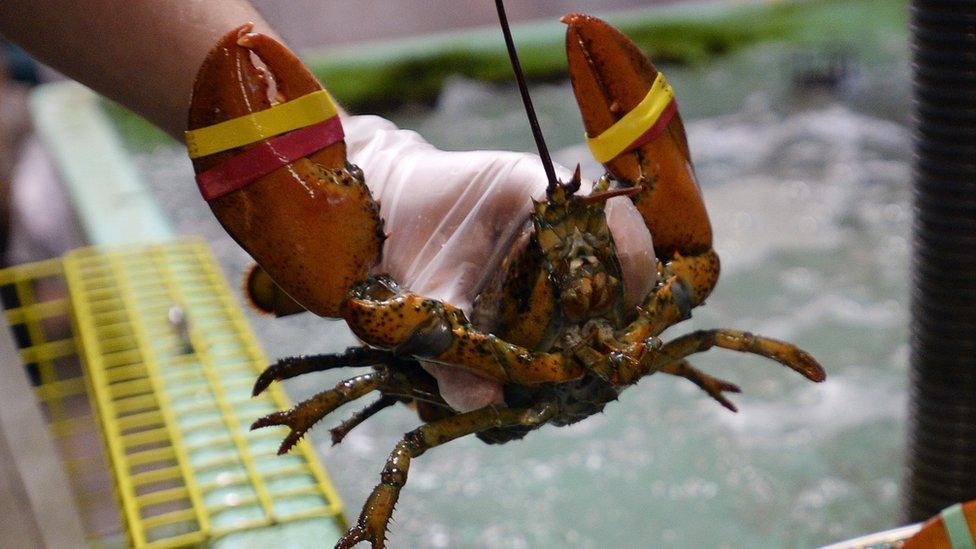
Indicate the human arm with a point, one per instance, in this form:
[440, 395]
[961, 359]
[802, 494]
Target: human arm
[143, 54]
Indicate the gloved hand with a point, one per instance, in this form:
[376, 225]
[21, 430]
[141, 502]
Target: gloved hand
[451, 217]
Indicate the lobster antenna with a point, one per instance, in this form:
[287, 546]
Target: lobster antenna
[540, 142]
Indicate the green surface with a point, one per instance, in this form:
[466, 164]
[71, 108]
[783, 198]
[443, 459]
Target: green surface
[378, 76]
[307, 533]
[382, 76]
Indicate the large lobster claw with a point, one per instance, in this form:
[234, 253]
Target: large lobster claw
[310, 223]
[611, 76]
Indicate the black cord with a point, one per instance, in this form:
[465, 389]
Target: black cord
[524, 90]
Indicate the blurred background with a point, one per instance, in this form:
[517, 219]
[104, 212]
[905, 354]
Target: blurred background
[311, 24]
[797, 115]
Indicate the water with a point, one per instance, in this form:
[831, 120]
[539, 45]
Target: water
[808, 194]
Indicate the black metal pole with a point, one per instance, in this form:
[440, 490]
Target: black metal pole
[942, 424]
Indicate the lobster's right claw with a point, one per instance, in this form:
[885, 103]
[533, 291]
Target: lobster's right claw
[309, 219]
[611, 76]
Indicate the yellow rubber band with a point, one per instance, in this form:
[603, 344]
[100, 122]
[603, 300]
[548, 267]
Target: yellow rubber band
[615, 140]
[292, 115]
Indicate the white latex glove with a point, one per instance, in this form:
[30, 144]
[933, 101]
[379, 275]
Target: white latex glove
[451, 216]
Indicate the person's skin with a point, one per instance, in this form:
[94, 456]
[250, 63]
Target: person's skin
[144, 54]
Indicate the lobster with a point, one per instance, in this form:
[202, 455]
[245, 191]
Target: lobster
[549, 325]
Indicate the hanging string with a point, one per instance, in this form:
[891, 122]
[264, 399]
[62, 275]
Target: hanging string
[524, 90]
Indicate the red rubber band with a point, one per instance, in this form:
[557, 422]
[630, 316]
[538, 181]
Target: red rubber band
[657, 129]
[236, 172]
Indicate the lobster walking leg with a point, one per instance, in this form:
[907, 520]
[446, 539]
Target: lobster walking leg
[785, 353]
[292, 366]
[378, 509]
[714, 386]
[428, 329]
[340, 431]
[305, 414]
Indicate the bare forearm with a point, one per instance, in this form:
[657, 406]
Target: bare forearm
[142, 53]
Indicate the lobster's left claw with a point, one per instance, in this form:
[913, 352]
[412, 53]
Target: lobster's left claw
[311, 222]
[611, 76]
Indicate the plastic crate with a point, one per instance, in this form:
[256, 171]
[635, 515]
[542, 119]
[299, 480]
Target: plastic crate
[171, 401]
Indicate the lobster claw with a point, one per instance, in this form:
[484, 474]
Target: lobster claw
[310, 222]
[266, 296]
[611, 76]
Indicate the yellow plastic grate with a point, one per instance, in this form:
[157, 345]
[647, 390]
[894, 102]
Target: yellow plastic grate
[38, 313]
[173, 399]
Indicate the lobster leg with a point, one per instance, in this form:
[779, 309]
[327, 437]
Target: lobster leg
[305, 414]
[340, 431]
[786, 354]
[378, 509]
[290, 367]
[412, 325]
[714, 386]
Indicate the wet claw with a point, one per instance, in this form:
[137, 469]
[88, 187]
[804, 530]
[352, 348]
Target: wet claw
[311, 223]
[267, 377]
[358, 534]
[339, 432]
[290, 367]
[304, 415]
[715, 387]
[377, 511]
[295, 423]
[611, 76]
